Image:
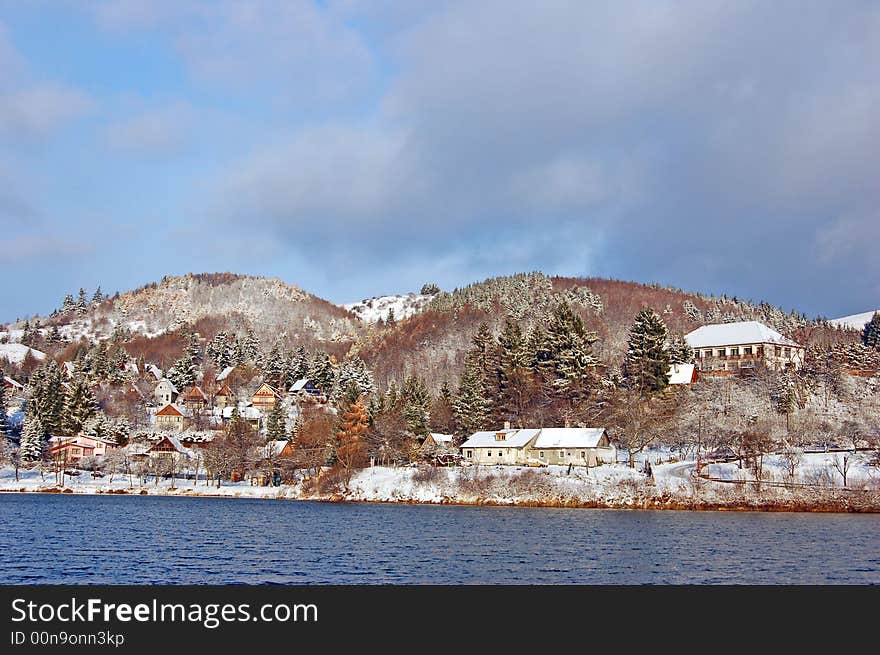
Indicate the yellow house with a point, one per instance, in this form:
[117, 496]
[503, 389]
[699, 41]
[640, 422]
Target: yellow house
[171, 416]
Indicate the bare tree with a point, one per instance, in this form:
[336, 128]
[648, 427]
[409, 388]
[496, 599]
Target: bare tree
[791, 459]
[842, 465]
[637, 420]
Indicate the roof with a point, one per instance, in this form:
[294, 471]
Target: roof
[174, 441]
[733, 334]
[441, 438]
[196, 393]
[224, 390]
[513, 439]
[569, 437]
[171, 410]
[299, 385]
[9, 380]
[68, 367]
[680, 373]
[155, 371]
[265, 389]
[274, 448]
[225, 373]
[170, 384]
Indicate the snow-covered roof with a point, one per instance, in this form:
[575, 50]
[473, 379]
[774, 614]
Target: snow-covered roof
[248, 412]
[9, 380]
[225, 373]
[441, 438]
[274, 448]
[299, 384]
[569, 437]
[174, 441]
[170, 385]
[133, 367]
[512, 439]
[680, 373]
[157, 373]
[171, 410]
[196, 393]
[734, 334]
[68, 368]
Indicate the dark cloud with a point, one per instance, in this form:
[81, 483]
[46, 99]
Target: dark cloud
[717, 146]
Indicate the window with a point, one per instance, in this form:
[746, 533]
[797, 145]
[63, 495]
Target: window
[777, 351]
[500, 436]
[747, 350]
[583, 455]
[470, 453]
[541, 454]
[707, 353]
[720, 352]
[787, 351]
[489, 454]
[734, 352]
[500, 453]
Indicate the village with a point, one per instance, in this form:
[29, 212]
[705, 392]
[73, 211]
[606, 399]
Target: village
[236, 429]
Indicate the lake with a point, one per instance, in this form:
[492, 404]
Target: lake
[54, 539]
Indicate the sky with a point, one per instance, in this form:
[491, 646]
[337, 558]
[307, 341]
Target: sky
[365, 147]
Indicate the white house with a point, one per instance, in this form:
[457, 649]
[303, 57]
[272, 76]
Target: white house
[682, 374]
[166, 393]
[732, 346]
[563, 446]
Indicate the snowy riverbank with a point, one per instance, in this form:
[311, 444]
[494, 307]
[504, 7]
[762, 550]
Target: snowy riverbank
[609, 486]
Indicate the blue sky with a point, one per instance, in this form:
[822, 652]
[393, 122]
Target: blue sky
[359, 148]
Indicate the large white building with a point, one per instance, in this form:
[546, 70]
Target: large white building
[734, 346]
[537, 446]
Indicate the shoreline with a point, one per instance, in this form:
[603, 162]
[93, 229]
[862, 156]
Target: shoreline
[837, 505]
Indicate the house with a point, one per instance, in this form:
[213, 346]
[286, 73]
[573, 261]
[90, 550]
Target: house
[224, 374]
[505, 446]
[73, 449]
[305, 387]
[223, 397]
[250, 414]
[576, 446]
[727, 347]
[168, 446]
[278, 448]
[166, 392]
[560, 446]
[436, 442]
[171, 416]
[155, 372]
[682, 374]
[195, 399]
[264, 397]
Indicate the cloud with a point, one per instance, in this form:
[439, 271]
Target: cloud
[159, 131]
[38, 110]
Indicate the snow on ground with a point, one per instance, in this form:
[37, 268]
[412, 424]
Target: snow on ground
[854, 321]
[371, 310]
[814, 469]
[84, 483]
[15, 352]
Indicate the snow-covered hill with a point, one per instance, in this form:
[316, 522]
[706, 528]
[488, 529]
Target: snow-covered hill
[370, 310]
[16, 352]
[854, 321]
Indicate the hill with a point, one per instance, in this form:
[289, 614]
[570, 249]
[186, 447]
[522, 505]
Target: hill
[854, 321]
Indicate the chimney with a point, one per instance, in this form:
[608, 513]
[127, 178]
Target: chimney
[506, 425]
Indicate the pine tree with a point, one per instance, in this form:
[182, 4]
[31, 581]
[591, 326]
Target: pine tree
[323, 374]
[471, 407]
[390, 319]
[513, 370]
[273, 365]
[351, 449]
[33, 437]
[679, 350]
[81, 303]
[647, 360]
[298, 366]
[250, 346]
[572, 362]
[4, 428]
[871, 333]
[355, 371]
[276, 423]
[80, 406]
[218, 350]
[47, 396]
[194, 349]
[99, 297]
[417, 403]
[68, 303]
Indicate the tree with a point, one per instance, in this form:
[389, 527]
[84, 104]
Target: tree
[323, 374]
[79, 406]
[47, 396]
[871, 333]
[351, 450]
[430, 289]
[843, 463]
[514, 374]
[637, 421]
[311, 443]
[442, 417]
[99, 297]
[679, 350]
[647, 359]
[81, 304]
[33, 437]
[219, 350]
[416, 405]
[571, 353]
[471, 407]
[3, 418]
[276, 423]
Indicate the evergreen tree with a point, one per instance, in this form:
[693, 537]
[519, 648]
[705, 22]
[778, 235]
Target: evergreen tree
[54, 335]
[416, 408]
[276, 423]
[68, 304]
[514, 375]
[100, 362]
[81, 304]
[355, 371]
[4, 428]
[273, 366]
[100, 426]
[47, 396]
[871, 333]
[298, 365]
[571, 352]
[80, 406]
[218, 350]
[390, 318]
[647, 360]
[679, 350]
[33, 437]
[471, 408]
[250, 346]
[323, 374]
[194, 349]
[99, 297]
